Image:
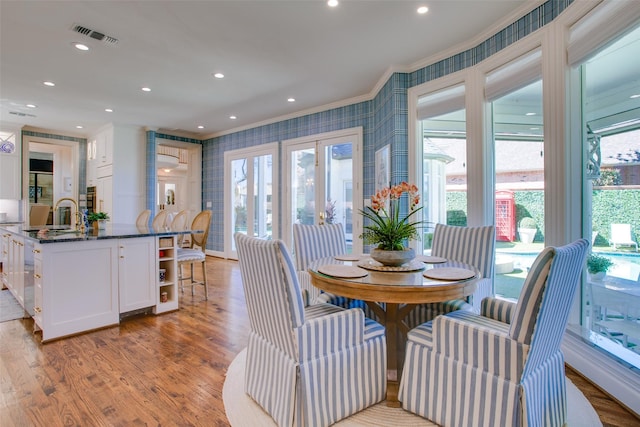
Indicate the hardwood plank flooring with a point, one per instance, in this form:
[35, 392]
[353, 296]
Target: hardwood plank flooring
[165, 370]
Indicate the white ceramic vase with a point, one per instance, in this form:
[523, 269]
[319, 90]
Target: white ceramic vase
[393, 258]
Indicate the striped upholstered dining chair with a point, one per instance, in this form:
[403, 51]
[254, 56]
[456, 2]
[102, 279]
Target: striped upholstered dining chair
[312, 242]
[306, 366]
[503, 367]
[470, 245]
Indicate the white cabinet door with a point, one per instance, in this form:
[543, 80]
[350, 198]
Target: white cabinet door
[104, 147]
[16, 268]
[10, 177]
[79, 284]
[37, 286]
[105, 195]
[6, 245]
[92, 164]
[136, 273]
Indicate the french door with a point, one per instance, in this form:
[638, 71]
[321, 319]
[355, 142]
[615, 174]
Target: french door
[323, 183]
[251, 205]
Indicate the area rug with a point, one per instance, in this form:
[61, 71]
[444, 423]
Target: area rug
[10, 309]
[242, 411]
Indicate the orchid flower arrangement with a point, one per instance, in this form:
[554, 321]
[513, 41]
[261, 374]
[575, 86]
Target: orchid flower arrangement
[389, 230]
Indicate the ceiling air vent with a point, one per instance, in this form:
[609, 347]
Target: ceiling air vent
[19, 114]
[94, 34]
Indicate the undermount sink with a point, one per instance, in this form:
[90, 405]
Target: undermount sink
[53, 229]
[64, 231]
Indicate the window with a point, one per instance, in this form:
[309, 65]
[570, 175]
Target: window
[444, 159]
[611, 122]
[519, 180]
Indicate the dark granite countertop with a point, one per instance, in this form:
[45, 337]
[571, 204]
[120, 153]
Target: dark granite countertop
[60, 234]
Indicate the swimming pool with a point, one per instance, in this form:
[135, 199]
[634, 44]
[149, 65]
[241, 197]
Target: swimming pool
[625, 265]
[512, 268]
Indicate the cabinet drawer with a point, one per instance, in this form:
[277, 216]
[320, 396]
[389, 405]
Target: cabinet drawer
[105, 171]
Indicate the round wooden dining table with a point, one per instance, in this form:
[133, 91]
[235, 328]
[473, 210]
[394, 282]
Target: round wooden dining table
[392, 293]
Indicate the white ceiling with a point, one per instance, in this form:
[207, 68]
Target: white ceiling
[268, 50]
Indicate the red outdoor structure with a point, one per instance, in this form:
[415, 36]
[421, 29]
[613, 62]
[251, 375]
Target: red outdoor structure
[505, 216]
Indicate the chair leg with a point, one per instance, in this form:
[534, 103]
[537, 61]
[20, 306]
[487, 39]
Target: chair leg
[204, 281]
[181, 278]
[192, 280]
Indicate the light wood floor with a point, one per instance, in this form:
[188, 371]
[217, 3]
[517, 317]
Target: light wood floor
[150, 370]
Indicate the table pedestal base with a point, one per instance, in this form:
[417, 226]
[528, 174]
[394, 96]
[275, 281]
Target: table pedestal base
[396, 332]
[392, 394]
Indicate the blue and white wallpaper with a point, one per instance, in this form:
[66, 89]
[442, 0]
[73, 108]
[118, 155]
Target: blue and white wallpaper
[384, 119]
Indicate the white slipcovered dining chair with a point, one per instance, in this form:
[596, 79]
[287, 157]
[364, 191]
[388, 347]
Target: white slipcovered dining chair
[308, 366]
[312, 242]
[192, 255]
[503, 367]
[470, 245]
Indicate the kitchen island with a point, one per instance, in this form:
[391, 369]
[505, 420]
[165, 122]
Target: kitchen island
[72, 282]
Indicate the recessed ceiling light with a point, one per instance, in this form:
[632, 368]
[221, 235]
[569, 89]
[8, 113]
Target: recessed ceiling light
[291, 100]
[200, 127]
[423, 9]
[78, 127]
[218, 76]
[635, 96]
[108, 110]
[81, 46]
[167, 170]
[146, 89]
[232, 117]
[530, 114]
[31, 106]
[332, 3]
[49, 84]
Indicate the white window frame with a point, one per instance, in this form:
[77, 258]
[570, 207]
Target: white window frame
[355, 134]
[563, 160]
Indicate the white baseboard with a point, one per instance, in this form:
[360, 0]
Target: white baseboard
[618, 380]
[216, 254]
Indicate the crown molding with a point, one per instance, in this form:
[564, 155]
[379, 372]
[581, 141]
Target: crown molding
[527, 7]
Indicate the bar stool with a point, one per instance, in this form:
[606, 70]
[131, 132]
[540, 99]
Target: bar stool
[193, 255]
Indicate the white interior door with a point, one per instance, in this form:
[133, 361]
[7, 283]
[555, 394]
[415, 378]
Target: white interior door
[323, 175]
[185, 179]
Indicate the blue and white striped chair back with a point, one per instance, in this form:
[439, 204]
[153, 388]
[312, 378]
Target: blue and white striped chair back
[471, 245]
[311, 242]
[525, 315]
[556, 301]
[273, 297]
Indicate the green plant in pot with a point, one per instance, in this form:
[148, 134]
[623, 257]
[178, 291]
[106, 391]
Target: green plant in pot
[388, 229]
[598, 265]
[98, 219]
[527, 229]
